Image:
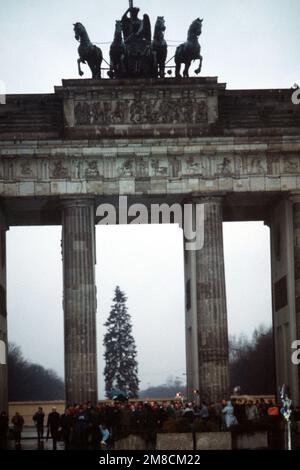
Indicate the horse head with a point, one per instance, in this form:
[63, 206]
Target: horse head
[79, 29]
[118, 26]
[160, 24]
[196, 27]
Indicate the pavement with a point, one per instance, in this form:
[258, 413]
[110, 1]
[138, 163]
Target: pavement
[29, 441]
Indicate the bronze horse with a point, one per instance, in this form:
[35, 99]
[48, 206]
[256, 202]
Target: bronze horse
[134, 55]
[88, 52]
[159, 47]
[189, 50]
[117, 54]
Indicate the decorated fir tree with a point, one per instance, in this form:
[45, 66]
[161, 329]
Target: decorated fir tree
[121, 369]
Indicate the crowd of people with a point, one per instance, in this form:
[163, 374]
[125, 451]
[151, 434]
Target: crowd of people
[93, 427]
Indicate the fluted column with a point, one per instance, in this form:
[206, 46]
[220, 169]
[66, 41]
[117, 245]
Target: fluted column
[211, 306]
[296, 219]
[78, 250]
[3, 316]
[296, 214]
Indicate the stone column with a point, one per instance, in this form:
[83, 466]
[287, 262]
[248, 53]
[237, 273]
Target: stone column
[284, 220]
[211, 306]
[296, 213]
[79, 301]
[296, 219]
[3, 315]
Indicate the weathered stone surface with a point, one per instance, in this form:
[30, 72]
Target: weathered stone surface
[117, 137]
[255, 440]
[211, 307]
[26, 189]
[126, 186]
[3, 315]
[121, 108]
[42, 189]
[78, 249]
[273, 183]
[133, 109]
[133, 442]
[191, 171]
[10, 190]
[296, 219]
[74, 187]
[288, 183]
[213, 441]
[174, 441]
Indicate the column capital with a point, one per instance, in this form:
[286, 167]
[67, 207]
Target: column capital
[67, 202]
[3, 223]
[204, 199]
[294, 197]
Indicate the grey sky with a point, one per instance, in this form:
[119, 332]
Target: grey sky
[147, 263]
[246, 43]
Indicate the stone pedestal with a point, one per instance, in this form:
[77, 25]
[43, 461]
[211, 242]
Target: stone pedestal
[208, 307]
[97, 109]
[78, 250]
[3, 315]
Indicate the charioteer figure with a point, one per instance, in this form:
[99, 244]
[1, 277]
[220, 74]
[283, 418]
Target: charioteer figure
[137, 39]
[133, 53]
[132, 25]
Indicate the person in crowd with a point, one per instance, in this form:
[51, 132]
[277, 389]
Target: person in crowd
[188, 412]
[251, 411]
[162, 414]
[273, 409]
[239, 410]
[262, 410]
[66, 424]
[138, 421]
[124, 419]
[274, 422]
[228, 411]
[204, 413]
[170, 411]
[105, 435]
[53, 426]
[38, 419]
[18, 423]
[81, 424]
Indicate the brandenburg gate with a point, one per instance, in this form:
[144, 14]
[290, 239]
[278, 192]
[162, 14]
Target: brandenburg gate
[164, 139]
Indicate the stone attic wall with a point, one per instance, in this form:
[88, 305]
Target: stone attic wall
[241, 112]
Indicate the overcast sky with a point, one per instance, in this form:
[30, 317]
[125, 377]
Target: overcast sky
[247, 44]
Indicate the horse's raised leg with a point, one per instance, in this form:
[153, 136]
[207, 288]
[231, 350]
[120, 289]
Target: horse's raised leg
[198, 70]
[80, 72]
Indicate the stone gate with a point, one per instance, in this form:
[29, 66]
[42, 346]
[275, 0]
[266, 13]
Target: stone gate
[235, 151]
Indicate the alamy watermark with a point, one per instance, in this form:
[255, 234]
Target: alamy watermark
[296, 353]
[2, 93]
[190, 217]
[2, 353]
[296, 94]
